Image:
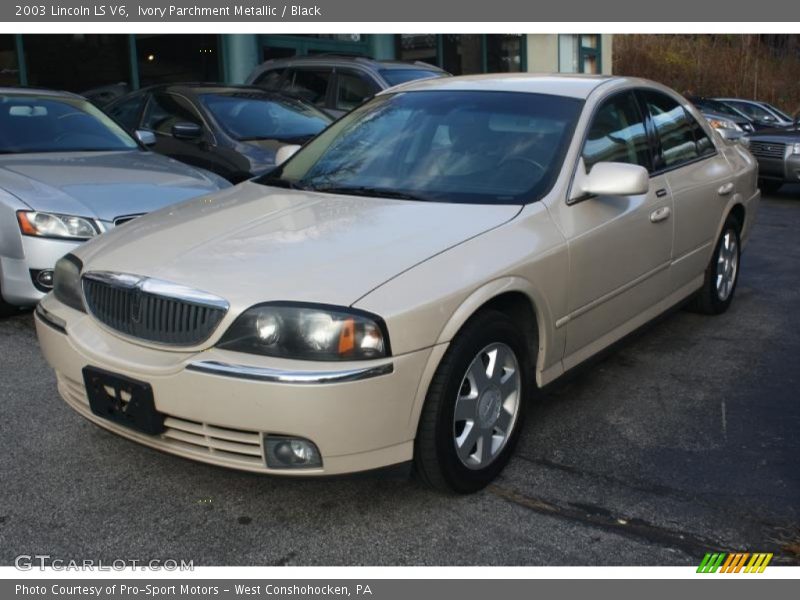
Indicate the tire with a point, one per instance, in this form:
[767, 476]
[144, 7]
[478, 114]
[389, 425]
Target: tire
[769, 186]
[714, 298]
[497, 411]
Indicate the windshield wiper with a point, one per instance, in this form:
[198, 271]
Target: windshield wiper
[281, 183]
[363, 190]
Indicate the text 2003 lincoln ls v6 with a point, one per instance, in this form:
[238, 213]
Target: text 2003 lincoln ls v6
[396, 289]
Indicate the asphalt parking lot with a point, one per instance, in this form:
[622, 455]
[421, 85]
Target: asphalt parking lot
[682, 440]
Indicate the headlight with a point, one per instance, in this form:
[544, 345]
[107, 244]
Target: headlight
[67, 282]
[307, 332]
[795, 148]
[745, 140]
[51, 225]
[724, 124]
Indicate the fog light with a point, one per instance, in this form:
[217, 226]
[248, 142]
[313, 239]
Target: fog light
[45, 278]
[291, 453]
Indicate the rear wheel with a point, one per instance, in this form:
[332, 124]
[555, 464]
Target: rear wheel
[769, 186]
[475, 405]
[722, 273]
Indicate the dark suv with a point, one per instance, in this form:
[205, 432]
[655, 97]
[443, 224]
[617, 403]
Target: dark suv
[337, 84]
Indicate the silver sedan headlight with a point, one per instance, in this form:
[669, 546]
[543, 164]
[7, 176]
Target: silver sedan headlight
[724, 124]
[67, 282]
[52, 225]
[307, 332]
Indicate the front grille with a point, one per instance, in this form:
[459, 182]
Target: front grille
[133, 306]
[210, 443]
[768, 149]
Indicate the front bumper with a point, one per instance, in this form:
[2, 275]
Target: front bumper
[786, 169]
[39, 254]
[359, 422]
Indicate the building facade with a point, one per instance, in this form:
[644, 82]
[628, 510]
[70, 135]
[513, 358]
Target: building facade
[79, 62]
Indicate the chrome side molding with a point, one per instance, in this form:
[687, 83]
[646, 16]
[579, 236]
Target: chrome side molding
[212, 367]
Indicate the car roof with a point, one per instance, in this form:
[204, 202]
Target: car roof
[575, 86]
[199, 87]
[344, 59]
[28, 91]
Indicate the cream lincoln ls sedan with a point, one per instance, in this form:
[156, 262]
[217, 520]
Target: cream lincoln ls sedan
[398, 288]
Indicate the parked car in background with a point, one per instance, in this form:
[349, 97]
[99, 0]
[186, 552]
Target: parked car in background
[766, 115]
[105, 94]
[67, 174]
[723, 117]
[231, 130]
[398, 288]
[337, 84]
[778, 155]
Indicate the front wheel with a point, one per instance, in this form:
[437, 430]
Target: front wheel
[475, 405]
[722, 273]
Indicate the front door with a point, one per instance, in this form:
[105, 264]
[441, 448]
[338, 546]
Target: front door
[620, 247]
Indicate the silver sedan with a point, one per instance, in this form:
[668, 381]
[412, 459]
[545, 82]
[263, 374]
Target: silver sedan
[67, 174]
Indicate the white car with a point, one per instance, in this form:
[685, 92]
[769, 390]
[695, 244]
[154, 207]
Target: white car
[397, 290]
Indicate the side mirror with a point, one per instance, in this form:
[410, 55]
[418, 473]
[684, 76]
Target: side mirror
[768, 119]
[609, 179]
[186, 131]
[284, 153]
[147, 138]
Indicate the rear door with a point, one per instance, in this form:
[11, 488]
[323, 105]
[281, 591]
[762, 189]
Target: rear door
[701, 182]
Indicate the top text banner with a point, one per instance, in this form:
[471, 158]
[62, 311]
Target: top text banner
[388, 11]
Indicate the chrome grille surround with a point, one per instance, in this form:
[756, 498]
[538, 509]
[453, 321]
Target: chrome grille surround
[768, 149]
[152, 310]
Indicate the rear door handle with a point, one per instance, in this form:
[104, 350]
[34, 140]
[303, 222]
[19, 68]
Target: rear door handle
[660, 214]
[725, 189]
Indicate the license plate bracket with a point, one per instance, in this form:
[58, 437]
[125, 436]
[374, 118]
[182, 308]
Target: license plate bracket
[123, 400]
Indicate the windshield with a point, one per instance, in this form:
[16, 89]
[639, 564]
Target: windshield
[254, 116]
[754, 111]
[778, 112]
[465, 146]
[397, 76]
[52, 124]
[718, 107]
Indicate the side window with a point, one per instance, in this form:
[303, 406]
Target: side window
[309, 84]
[705, 146]
[270, 80]
[165, 110]
[126, 112]
[352, 90]
[617, 134]
[674, 127]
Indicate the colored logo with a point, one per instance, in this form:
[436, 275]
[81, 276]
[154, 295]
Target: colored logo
[735, 562]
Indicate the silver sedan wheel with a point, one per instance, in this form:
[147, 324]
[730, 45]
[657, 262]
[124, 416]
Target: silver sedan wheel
[487, 406]
[727, 265]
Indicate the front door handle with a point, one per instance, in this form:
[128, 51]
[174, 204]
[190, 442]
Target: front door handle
[660, 214]
[725, 189]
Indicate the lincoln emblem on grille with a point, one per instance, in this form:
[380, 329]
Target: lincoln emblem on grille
[136, 303]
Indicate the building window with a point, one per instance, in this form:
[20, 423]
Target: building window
[77, 63]
[462, 54]
[9, 67]
[504, 53]
[579, 53]
[170, 58]
[422, 47]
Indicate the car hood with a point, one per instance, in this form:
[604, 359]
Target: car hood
[253, 243]
[104, 185]
[785, 136]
